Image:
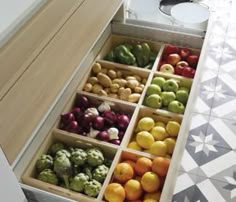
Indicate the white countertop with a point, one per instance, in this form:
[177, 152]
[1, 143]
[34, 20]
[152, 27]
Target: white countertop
[14, 13]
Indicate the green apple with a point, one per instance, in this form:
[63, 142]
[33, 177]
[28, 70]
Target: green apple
[167, 68]
[170, 85]
[182, 96]
[167, 97]
[184, 88]
[154, 101]
[153, 89]
[176, 107]
[158, 81]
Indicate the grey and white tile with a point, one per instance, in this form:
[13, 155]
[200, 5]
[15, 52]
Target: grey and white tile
[226, 84]
[204, 100]
[223, 131]
[224, 106]
[198, 126]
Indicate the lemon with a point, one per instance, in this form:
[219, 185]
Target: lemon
[172, 128]
[160, 123]
[170, 143]
[159, 133]
[134, 145]
[159, 148]
[152, 196]
[146, 123]
[145, 139]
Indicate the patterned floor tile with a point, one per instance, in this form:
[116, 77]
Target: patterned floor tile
[204, 101]
[226, 84]
[208, 80]
[199, 125]
[223, 132]
[224, 106]
[186, 189]
[191, 188]
[198, 155]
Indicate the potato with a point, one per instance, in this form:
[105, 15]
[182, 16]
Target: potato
[134, 97]
[130, 78]
[92, 80]
[120, 82]
[119, 74]
[144, 80]
[112, 74]
[104, 80]
[104, 70]
[96, 88]
[132, 84]
[138, 89]
[125, 93]
[97, 68]
[138, 78]
[88, 87]
[113, 95]
[114, 87]
[120, 90]
[107, 90]
[102, 92]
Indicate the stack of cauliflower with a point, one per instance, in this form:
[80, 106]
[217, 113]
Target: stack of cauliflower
[76, 169]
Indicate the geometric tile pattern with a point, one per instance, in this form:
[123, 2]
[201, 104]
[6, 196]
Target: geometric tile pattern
[208, 165]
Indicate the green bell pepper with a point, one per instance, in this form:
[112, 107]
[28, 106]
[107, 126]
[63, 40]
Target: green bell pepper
[142, 53]
[123, 55]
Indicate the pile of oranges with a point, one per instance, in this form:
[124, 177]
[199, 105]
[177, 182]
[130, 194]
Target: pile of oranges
[138, 180]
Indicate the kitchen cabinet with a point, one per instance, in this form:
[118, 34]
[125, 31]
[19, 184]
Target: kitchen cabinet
[59, 72]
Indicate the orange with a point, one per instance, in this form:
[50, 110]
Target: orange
[150, 182]
[143, 164]
[160, 165]
[130, 162]
[133, 189]
[114, 192]
[123, 172]
[129, 156]
[155, 197]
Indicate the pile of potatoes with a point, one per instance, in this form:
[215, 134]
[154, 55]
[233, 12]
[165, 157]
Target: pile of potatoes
[115, 84]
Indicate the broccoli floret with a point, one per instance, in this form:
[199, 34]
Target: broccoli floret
[63, 152]
[56, 147]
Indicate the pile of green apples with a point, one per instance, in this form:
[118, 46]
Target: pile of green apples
[166, 94]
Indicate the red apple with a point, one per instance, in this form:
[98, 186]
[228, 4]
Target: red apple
[167, 68]
[188, 72]
[169, 49]
[192, 60]
[173, 59]
[184, 53]
[180, 66]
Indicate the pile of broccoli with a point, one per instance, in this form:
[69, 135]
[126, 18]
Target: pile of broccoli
[76, 169]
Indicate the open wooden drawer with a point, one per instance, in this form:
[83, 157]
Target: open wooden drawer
[50, 129]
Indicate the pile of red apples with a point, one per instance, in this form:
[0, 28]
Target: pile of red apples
[178, 60]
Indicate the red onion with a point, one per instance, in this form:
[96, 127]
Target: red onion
[82, 102]
[103, 135]
[98, 123]
[86, 120]
[72, 127]
[121, 134]
[78, 113]
[67, 118]
[123, 121]
[116, 142]
[110, 117]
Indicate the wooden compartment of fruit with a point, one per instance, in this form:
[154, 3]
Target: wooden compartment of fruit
[168, 92]
[130, 51]
[137, 178]
[179, 60]
[97, 118]
[70, 167]
[155, 132]
[116, 81]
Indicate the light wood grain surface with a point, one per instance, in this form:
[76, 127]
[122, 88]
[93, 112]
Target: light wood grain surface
[44, 66]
